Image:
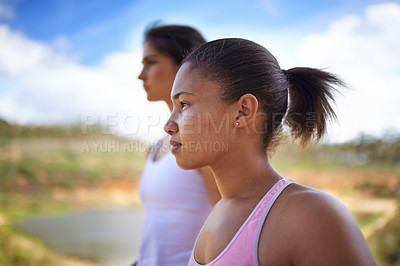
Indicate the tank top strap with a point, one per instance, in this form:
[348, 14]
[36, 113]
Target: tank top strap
[155, 148]
[266, 206]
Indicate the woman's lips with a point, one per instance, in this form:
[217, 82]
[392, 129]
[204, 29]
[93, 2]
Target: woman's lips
[175, 146]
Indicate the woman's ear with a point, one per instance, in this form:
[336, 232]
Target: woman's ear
[248, 107]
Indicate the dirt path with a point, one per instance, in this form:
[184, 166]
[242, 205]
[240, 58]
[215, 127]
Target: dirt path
[359, 204]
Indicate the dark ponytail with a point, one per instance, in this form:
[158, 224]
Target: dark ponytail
[311, 94]
[299, 97]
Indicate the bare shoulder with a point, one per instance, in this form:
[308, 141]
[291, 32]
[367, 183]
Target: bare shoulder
[317, 213]
[321, 229]
[308, 203]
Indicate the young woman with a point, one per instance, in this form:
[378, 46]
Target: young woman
[176, 201]
[232, 93]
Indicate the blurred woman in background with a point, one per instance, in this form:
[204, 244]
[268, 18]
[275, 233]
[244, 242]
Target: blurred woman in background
[176, 201]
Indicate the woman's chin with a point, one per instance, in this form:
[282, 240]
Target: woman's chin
[187, 164]
[151, 98]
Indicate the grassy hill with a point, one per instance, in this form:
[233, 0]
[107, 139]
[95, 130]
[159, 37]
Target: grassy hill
[35, 159]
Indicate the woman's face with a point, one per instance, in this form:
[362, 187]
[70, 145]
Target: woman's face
[200, 124]
[158, 73]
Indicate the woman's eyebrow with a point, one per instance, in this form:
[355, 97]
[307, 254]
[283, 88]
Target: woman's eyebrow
[176, 96]
[147, 57]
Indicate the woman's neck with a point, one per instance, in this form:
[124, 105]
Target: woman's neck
[244, 175]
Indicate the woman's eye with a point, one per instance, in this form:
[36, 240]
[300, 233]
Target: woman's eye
[149, 63]
[184, 105]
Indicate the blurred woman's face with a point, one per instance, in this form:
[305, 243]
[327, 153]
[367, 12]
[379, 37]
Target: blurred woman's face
[158, 73]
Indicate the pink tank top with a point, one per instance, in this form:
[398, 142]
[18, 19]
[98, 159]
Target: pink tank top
[243, 248]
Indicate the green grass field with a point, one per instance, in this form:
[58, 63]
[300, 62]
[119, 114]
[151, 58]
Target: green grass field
[61, 169]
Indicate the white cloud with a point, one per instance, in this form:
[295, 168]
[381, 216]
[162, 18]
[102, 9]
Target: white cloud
[363, 50]
[38, 85]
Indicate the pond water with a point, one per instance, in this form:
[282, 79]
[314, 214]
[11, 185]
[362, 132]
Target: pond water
[111, 237]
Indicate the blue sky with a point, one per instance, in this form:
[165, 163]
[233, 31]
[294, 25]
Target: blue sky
[75, 60]
[94, 28]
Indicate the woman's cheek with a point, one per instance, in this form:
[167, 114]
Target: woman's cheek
[191, 126]
[156, 74]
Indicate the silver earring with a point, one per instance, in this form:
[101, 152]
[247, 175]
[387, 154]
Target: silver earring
[237, 123]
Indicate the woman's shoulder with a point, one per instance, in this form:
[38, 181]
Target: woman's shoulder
[314, 207]
[321, 228]
[309, 198]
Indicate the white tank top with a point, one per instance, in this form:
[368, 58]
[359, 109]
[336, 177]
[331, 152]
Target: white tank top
[176, 203]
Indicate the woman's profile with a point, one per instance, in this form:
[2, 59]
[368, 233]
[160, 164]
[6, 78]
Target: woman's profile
[176, 201]
[262, 217]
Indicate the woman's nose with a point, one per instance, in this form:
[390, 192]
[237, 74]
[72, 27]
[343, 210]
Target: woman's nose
[170, 127]
[141, 75]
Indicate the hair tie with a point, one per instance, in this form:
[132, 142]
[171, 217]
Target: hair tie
[284, 72]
